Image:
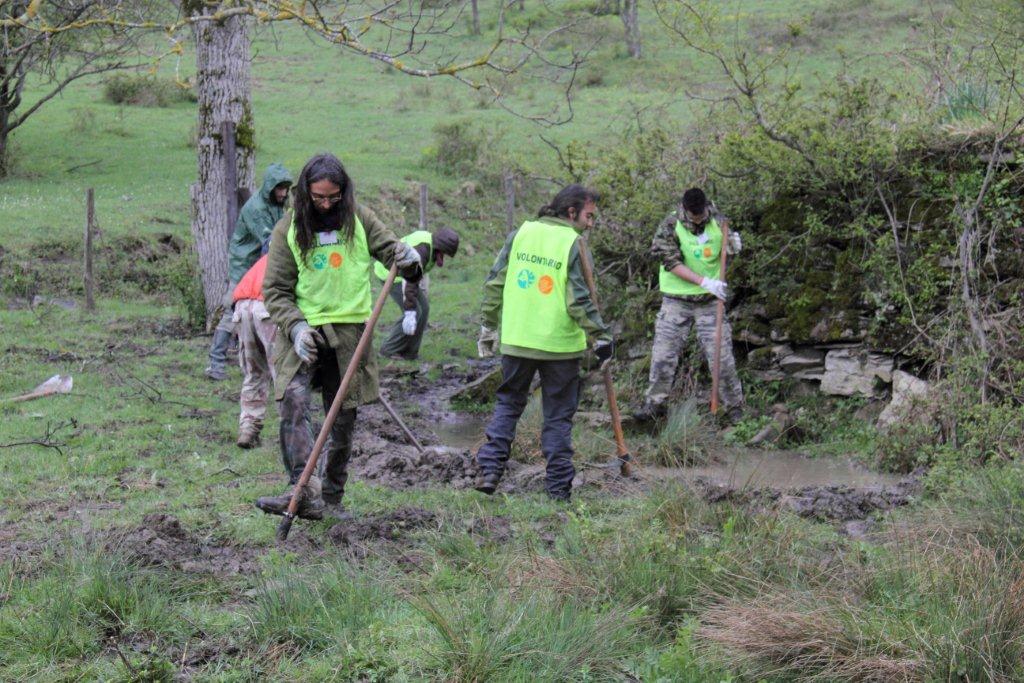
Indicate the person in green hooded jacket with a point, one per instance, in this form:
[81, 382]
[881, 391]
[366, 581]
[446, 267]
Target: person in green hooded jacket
[255, 222]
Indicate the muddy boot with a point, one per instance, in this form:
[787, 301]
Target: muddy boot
[487, 482]
[215, 373]
[218, 356]
[310, 507]
[649, 412]
[249, 435]
[337, 512]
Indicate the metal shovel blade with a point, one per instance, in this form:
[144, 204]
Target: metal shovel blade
[58, 384]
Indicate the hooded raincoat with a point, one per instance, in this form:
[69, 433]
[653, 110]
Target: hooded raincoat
[256, 221]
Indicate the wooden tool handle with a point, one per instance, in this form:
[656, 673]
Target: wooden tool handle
[609, 386]
[716, 365]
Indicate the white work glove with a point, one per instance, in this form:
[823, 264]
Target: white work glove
[304, 341]
[406, 256]
[487, 344]
[716, 287]
[735, 243]
[409, 323]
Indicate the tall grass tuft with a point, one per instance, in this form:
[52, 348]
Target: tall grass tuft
[315, 608]
[684, 439]
[538, 635]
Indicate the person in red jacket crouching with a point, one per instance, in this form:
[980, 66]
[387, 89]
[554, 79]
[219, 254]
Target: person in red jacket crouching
[255, 350]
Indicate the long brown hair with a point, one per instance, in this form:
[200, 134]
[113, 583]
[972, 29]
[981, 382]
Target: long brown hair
[323, 167]
[571, 197]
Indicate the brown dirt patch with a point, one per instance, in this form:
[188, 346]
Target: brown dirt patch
[359, 535]
[161, 540]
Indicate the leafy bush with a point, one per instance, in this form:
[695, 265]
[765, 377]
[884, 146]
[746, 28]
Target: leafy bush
[145, 91]
[464, 149]
[182, 276]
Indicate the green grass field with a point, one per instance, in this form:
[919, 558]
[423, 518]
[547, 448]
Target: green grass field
[654, 585]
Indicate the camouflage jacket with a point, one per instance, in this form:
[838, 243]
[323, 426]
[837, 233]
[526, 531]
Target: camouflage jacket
[578, 302]
[665, 245]
[279, 295]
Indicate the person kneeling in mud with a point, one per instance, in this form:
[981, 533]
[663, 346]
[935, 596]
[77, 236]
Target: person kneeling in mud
[403, 342]
[537, 290]
[317, 290]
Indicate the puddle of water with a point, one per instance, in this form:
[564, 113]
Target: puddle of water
[786, 469]
[461, 431]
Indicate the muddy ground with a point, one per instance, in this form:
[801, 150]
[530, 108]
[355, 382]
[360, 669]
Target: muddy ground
[382, 456]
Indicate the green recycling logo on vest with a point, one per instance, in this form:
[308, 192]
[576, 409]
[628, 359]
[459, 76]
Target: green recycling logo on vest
[321, 260]
[526, 278]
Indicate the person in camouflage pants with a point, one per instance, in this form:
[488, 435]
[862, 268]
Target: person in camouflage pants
[297, 431]
[688, 244]
[256, 332]
[671, 331]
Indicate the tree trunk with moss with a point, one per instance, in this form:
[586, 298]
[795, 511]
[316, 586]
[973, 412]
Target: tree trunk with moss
[223, 87]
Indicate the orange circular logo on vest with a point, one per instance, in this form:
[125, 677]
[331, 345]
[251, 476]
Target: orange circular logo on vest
[335, 260]
[707, 252]
[545, 284]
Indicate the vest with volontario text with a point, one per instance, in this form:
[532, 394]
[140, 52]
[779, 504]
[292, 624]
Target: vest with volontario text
[334, 279]
[700, 256]
[534, 313]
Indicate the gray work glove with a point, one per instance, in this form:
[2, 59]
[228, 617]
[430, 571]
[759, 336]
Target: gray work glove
[406, 256]
[487, 344]
[716, 287]
[304, 341]
[409, 323]
[735, 244]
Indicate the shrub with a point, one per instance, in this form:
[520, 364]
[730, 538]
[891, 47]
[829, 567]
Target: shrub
[182, 276]
[145, 91]
[464, 149]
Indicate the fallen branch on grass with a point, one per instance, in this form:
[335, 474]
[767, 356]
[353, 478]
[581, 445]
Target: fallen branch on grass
[48, 439]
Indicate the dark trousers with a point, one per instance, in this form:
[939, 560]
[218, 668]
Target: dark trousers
[560, 387]
[398, 343]
[297, 436]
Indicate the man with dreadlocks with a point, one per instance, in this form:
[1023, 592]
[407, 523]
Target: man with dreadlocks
[537, 295]
[317, 291]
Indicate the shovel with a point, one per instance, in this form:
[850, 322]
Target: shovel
[58, 384]
[622, 453]
[716, 365]
[364, 341]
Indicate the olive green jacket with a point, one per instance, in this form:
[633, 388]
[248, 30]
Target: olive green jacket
[279, 297]
[578, 303]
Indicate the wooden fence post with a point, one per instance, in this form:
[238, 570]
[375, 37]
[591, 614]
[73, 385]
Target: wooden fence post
[509, 181]
[90, 220]
[423, 206]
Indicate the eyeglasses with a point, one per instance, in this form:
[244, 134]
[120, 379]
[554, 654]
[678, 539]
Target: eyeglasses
[325, 199]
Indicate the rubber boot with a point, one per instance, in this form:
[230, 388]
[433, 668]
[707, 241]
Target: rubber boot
[311, 506]
[249, 435]
[218, 356]
[487, 482]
